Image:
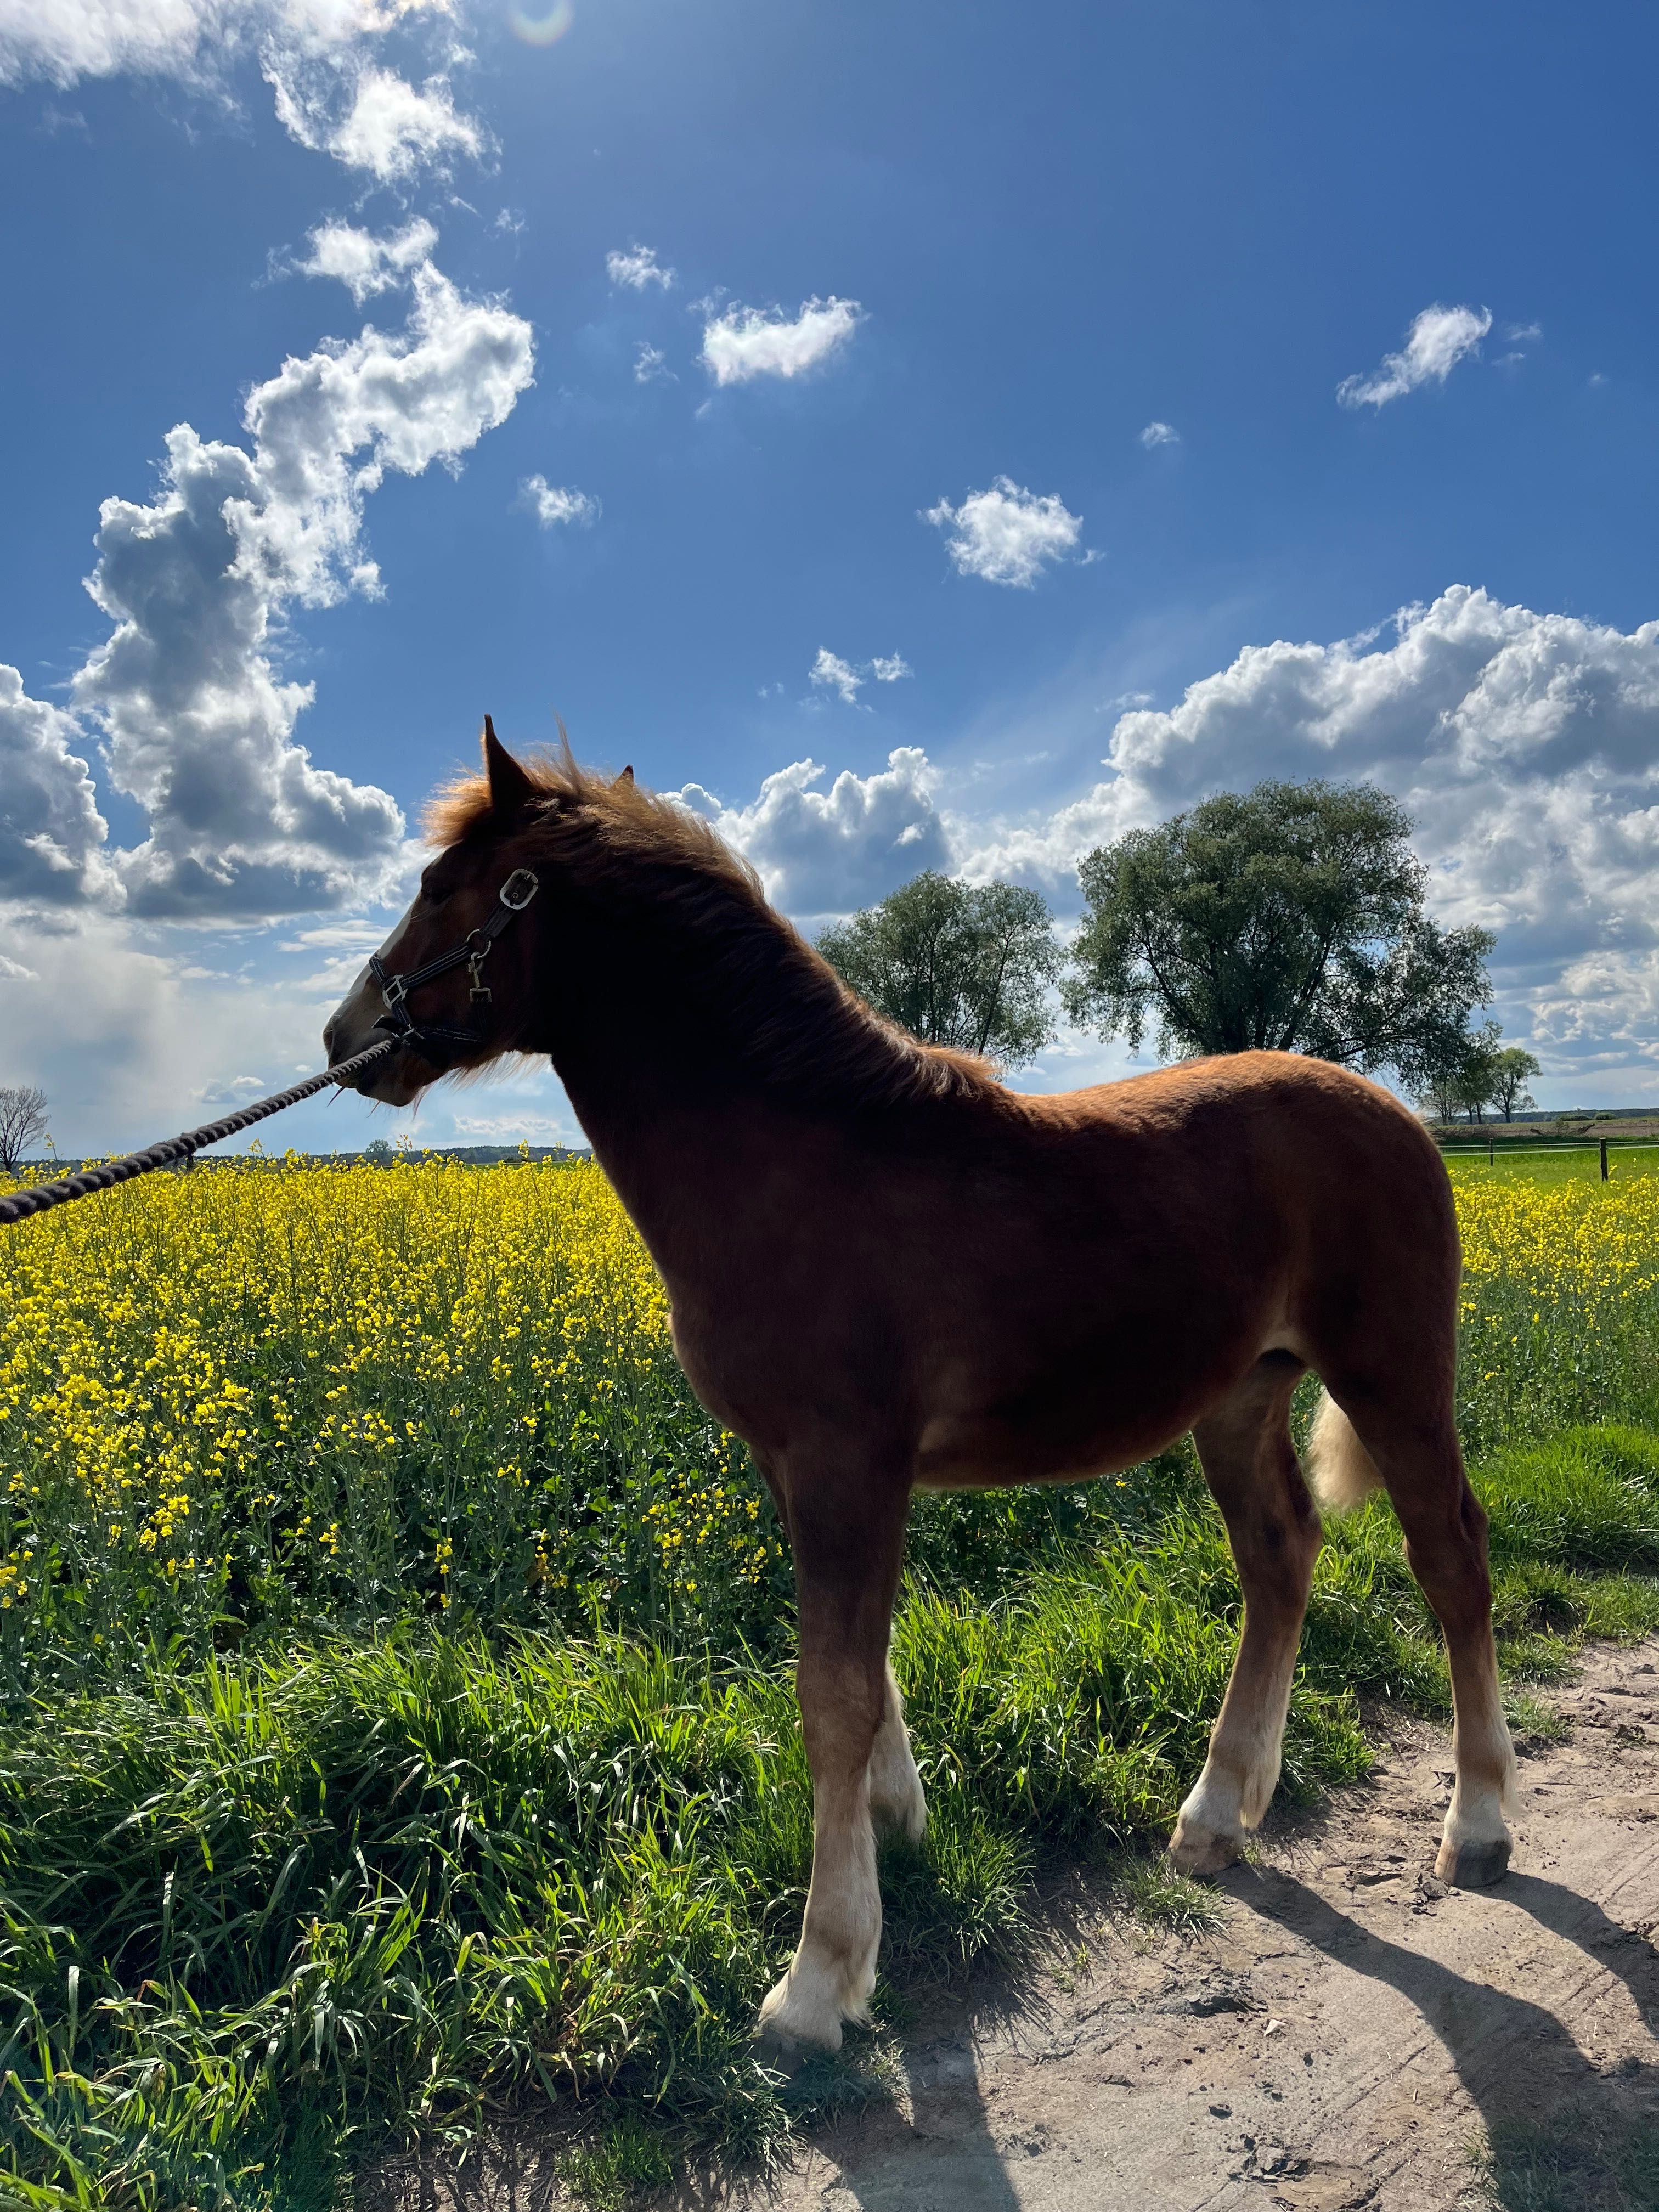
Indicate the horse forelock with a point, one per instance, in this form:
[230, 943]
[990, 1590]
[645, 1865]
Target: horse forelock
[803, 1029]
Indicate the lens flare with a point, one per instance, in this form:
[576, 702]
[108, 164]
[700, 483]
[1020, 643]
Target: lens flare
[542, 28]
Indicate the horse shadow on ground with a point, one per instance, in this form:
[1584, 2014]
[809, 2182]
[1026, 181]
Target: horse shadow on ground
[1561, 2130]
[916, 2082]
[1564, 2133]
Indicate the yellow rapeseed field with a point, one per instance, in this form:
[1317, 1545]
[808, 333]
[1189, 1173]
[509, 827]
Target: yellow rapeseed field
[281, 1388]
[1559, 1307]
[280, 1392]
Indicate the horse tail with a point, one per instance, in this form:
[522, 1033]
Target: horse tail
[1341, 1471]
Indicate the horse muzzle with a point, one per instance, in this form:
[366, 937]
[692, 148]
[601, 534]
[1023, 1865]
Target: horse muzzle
[397, 1080]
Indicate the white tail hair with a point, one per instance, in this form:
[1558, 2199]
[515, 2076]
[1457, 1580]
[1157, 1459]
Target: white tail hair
[1341, 1471]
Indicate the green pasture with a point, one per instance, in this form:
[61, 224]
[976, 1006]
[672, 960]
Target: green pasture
[1551, 1165]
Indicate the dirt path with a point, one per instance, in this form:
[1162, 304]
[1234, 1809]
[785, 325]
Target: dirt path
[1347, 2036]
[1343, 2039]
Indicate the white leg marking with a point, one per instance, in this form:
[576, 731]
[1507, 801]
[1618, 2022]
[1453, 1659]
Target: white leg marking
[832, 1974]
[1240, 1776]
[1475, 1847]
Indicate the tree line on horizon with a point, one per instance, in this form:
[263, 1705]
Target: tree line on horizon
[1290, 918]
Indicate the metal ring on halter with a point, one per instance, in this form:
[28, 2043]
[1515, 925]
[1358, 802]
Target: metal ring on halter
[515, 895]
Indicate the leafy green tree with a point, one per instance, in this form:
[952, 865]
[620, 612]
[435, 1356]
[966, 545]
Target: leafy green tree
[1290, 918]
[955, 964]
[1512, 1069]
[1474, 1082]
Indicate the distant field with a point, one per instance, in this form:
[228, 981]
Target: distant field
[1554, 1163]
[395, 1713]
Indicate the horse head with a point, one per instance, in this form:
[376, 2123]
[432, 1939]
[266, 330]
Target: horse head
[451, 982]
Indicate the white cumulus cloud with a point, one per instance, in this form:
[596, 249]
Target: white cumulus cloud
[745, 342]
[831, 673]
[827, 852]
[636, 268]
[1525, 747]
[51, 834]
[197, 722]
[1159, 434]
[317, 56]
[371, 118]
[365, 264]
[651, 366]
[1006, 534]
[552, 504]
[1439, 339]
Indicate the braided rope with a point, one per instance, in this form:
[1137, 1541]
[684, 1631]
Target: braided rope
[43, 1196]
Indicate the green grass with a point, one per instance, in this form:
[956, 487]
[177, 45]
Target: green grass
[260, 1914]
[1572, 2162]
[1548, 1165]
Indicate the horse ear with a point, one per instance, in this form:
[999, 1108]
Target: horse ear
[509, 787]
[627, 777]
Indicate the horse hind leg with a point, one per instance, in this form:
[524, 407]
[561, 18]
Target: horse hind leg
[896, 1800]
[1244, 1447]
[1445, 1530]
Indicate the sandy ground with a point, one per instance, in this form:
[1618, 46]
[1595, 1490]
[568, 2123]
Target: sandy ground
[1347, 2036]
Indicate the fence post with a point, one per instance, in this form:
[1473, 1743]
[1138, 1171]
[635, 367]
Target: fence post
[1489, 1154]
[1604, 1159]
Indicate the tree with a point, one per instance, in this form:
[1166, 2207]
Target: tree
[961, 965]
[1511, 1069]
[1489, 1074]
[1475, 1081]
[1289, 919]
[22, 1123]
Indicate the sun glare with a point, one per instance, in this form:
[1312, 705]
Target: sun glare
[542, 27]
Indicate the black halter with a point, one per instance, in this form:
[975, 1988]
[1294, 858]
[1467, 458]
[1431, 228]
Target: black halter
[521, 887]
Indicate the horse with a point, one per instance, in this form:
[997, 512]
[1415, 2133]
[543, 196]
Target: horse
[888, 1270]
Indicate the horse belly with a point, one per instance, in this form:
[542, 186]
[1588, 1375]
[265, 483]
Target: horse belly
[1063, 1429]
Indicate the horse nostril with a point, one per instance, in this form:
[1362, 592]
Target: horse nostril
[331, 1035]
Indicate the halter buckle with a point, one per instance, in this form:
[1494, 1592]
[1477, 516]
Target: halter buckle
[515, 895]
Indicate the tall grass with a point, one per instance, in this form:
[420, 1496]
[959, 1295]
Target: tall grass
[395, 1665]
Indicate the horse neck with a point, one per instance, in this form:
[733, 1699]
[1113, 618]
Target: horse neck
[665, 1060]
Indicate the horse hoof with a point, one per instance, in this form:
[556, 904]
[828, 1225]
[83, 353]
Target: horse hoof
[1203, 1850]
[1473, 1866]
[791, 2028]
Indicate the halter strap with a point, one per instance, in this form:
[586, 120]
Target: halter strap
[516, 893]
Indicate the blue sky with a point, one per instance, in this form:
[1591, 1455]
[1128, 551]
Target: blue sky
[1104, 406]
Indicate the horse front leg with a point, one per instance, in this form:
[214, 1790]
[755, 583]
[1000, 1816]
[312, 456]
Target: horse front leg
[848, 1546]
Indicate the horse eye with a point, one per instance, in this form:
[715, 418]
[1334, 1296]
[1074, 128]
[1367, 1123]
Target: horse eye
[435, 894]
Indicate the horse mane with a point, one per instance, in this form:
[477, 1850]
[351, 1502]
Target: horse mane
[797, 1024]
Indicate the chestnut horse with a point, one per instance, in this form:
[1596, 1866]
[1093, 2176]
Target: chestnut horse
[887, 1270]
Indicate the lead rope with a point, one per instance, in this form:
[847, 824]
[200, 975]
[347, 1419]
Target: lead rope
[514, 895]
[44, 1195]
